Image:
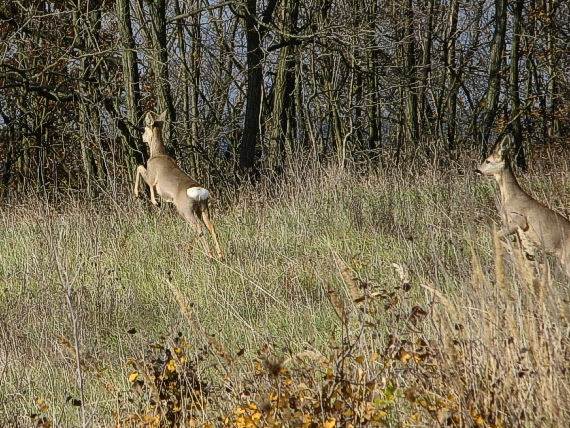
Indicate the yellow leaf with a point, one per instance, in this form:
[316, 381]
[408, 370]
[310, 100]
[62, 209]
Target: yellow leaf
[404, 356]
[478, 419]
[359, 359]
[256, 416]
[374, 357]
[133, 376]
[330, 423]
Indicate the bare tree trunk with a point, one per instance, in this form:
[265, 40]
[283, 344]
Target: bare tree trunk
[495, 64]
[372, 83]
[188, 75]
[533, 88]
[424, 106]
[10, 155]
[194, 70]
[254, 83]
[130, 128]
[553, 66]
[158, 59]
[450, 58]
[283, 93]
[279, 119]
[86, 26]
[254, 36]
[514, 85]
[408, 58]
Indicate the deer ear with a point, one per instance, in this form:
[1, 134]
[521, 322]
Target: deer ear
[149, 118]
[505, 144]
[162, 116]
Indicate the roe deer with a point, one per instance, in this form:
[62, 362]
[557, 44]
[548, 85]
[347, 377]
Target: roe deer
[521, 214]
[172, 184]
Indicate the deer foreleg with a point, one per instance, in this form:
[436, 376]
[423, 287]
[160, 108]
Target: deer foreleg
[137, 174]
[142, 172]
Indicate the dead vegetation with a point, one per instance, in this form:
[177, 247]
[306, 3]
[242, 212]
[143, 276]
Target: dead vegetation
[319, 317]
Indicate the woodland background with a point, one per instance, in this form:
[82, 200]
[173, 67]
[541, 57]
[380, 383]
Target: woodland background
[255, 87]
[363, 284]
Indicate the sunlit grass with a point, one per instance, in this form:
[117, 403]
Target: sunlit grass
[271, 290]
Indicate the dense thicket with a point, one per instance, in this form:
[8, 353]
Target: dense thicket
[254, 87]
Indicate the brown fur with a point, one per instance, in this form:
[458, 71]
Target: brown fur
[521, 214]
[171, 183]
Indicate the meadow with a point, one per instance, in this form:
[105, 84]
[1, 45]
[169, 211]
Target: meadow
[344, 299]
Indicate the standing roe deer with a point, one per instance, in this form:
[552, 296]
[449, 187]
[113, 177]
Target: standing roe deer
[521, 214]
[172, 184]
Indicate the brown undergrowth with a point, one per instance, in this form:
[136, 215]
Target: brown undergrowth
[497, 356]
[360, 301]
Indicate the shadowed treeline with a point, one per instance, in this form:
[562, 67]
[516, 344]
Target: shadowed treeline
[254, 88]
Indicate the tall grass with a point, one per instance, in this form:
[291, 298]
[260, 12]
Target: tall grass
[390, 280]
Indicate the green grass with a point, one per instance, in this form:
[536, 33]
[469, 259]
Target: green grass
[121, 256]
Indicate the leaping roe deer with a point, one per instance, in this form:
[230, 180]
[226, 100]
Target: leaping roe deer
[172, 184]
[521, 214]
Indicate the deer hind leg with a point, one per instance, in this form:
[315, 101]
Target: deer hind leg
[192, 217]
[564, 259]
[564, 266]
[527, 246]
[208, 222]
[143, 172]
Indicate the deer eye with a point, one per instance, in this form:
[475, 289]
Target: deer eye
[487, 161]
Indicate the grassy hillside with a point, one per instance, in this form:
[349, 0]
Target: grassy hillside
[343, 299]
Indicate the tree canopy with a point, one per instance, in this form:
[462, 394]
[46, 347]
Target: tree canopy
[254, 87]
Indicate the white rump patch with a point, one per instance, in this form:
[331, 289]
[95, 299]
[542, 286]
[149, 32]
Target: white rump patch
[198, 193]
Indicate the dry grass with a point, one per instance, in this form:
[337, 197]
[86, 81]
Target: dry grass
[376, 300]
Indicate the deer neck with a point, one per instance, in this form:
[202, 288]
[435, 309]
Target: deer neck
[508, 184]
[156, 145]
